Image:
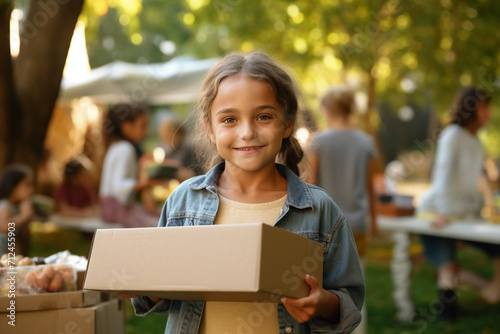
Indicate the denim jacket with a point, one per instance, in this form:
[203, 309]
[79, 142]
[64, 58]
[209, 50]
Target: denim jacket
[308, 211]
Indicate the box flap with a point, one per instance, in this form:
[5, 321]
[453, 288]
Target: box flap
[289, 263]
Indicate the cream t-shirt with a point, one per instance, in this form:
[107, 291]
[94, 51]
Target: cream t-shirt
[241, 317]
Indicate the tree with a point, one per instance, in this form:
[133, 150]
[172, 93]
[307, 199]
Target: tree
[29, 83]
[396, 49]
[433, 46]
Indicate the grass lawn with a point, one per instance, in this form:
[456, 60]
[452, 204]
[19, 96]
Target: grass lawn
[475, 316]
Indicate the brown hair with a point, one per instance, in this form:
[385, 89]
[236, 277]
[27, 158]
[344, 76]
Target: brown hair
[259, 66]
[464, 109]
[118, 114]
[72, 169]
[339, 100]
[11, 177]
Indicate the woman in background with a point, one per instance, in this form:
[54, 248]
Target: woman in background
[453, 195]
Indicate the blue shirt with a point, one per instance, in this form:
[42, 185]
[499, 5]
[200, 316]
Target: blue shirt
[308, 211]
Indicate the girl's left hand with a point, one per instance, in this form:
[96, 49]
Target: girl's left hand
[320, 302]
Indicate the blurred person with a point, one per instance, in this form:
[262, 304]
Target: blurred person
[178, 154]
[125, 126]
[341, 161]
[75, 196]
[454, 195]
[16, 208]
[178, 151]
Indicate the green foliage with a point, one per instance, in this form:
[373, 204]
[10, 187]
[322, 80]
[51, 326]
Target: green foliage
[436, 46]
[133, 31]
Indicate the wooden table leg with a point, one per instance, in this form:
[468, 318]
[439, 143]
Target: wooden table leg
[401, 276]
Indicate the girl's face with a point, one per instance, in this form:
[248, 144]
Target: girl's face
[247, 124]
[136, 130]
[23, 191]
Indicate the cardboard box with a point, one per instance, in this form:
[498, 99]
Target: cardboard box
[103, 318]
[240, 262]
[51, 300]
[80, 277]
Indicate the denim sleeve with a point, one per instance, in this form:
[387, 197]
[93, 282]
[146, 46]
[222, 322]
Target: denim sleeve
[144, 306]
[343, 277]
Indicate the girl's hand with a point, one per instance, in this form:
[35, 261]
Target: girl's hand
[319, 303]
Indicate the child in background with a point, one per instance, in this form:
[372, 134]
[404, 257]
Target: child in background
[341, 161]
[247, 111]
[178, 151]
[75, 196]
[125, 126]
[16, 189]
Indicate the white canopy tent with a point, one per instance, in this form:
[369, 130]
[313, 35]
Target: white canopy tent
[176, 81]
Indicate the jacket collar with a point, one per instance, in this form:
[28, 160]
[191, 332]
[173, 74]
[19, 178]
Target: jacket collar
[298, 192]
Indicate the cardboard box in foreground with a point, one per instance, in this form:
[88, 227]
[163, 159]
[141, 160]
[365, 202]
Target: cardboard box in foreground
[103, 318]
[240, 262]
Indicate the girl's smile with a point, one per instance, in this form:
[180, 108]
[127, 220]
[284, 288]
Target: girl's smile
[247, 123]
[250, 149]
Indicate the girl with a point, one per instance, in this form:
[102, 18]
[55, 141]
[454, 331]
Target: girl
[124, 127]
[178, 150]
[342, 160]
[16, 209]
[453, 194]
[247, 110]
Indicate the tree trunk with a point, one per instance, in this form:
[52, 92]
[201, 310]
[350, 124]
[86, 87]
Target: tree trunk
[9, 106]
[37, 73]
